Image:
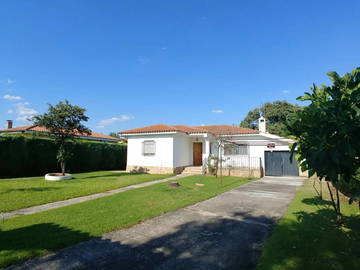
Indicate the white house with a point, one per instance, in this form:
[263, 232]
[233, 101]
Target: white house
[171, 149]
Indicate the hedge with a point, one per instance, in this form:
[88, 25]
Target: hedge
[33, 156]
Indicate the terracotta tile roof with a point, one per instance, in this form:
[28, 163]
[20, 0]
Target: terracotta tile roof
[153, 128]
[188, 129]
[228, 130]
[214, 129]
[35, 128]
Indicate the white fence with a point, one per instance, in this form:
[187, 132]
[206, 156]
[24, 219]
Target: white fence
[236, 162]
[241, 162]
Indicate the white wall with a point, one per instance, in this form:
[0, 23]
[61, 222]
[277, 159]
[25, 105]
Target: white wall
[175, 150]
[183, 148]
[183, 153]
[162, 158]
[172, 151]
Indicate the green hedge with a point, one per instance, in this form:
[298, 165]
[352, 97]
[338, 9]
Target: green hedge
[32, 156]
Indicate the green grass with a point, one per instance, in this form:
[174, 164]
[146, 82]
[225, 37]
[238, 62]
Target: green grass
[308, 237]
[33, 235]
[25, 192]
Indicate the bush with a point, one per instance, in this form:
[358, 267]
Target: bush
[32, 156]
[350, 188]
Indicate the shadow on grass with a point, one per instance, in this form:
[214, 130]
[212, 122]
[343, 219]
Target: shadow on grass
[35, 240]
[314, 241]
[33, 189]
[316, 201]
[106, 175]
[39, 236]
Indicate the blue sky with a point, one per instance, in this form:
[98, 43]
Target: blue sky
[135, 63]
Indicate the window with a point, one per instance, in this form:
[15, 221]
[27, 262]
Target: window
[213, 149]
[235, 149]
[149, 148]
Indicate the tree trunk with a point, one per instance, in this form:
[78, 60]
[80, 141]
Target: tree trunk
[331, 196]
[338, 205]
[216, 168]
[321, 197]
[221, 178]
[62, 165]
[337, 210]
[218, 160]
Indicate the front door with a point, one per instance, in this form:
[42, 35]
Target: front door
[197, 154]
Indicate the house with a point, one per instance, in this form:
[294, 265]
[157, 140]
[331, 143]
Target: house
[177, 148]
[42, 131]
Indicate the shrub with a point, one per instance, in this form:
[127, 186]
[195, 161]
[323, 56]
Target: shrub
[32, 156]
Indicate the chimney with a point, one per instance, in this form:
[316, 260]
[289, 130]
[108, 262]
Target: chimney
[262, 124]
[9, 124]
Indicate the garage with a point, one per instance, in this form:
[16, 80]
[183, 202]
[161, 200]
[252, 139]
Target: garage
[277, 163]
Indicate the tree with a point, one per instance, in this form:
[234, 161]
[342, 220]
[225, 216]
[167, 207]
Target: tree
[63, 121]
[220, 143]
[114, 134]
[215, 162]
[327, 132]
[277, 114]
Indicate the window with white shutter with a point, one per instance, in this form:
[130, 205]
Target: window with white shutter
[149, 148]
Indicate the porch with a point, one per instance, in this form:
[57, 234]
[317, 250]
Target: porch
[234, 165]
[234, 159]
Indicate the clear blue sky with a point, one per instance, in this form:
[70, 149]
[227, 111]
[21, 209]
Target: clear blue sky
[135, 63]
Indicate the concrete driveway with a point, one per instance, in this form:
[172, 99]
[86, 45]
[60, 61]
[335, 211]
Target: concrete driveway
[225, 232]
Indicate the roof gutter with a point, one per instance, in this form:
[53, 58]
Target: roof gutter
[149, 133]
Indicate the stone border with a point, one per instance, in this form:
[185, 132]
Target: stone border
[154, 170]
[51, 177]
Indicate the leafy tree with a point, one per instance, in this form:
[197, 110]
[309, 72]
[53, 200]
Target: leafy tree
[63, 121]
[327, 131]
[277, 114]
[114, 134]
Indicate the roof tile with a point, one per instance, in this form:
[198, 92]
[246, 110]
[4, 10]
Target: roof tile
[228, 130]
[152, 128]
[214, 129]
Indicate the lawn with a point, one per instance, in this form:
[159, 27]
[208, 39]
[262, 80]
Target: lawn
[24, 192]
[308, 237]
[38, 234]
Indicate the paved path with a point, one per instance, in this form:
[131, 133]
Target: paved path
[53, 205]
[225, 232]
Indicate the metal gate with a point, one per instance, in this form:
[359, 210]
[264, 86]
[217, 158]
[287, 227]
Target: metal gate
[277, 163]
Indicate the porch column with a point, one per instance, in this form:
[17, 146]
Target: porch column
[207, 148]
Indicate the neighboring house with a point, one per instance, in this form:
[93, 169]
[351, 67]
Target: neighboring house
[42, 131]
[170, 149]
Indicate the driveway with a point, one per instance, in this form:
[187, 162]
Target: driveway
[225, 232]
